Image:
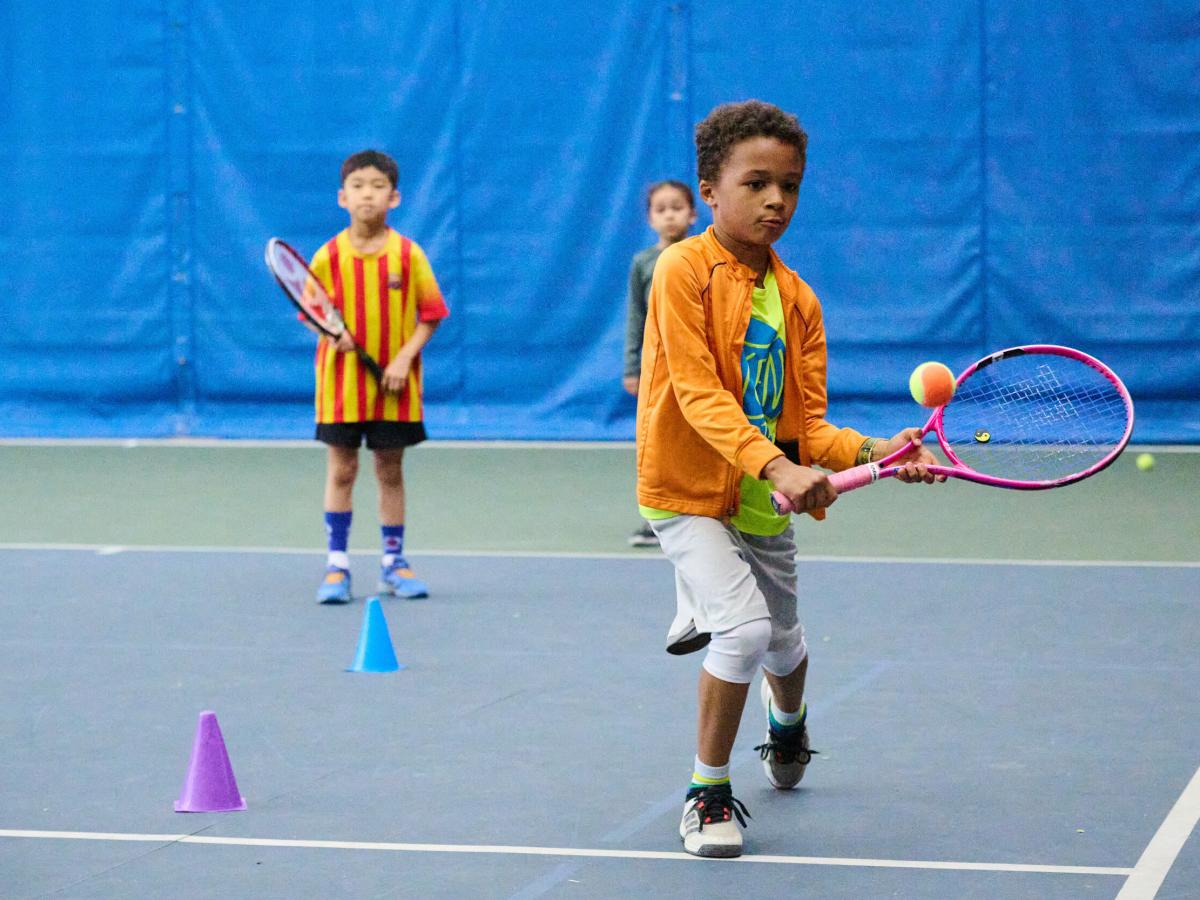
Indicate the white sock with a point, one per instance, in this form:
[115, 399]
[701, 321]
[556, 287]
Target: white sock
[787, 719]
[339, 558]
[705, 774]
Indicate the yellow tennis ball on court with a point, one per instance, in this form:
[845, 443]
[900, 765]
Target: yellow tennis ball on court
[931, 384]
[1145, 461]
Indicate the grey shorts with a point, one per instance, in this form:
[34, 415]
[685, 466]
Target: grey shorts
[724, 578]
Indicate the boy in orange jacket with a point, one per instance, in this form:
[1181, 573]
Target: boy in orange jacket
[731, 406]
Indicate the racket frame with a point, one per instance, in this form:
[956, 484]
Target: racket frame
[334, 318]
[860, 476]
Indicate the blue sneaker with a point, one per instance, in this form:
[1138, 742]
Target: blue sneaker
[336, 586]
[398, 580]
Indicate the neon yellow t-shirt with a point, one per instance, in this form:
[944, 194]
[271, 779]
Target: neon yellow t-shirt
[762, 400]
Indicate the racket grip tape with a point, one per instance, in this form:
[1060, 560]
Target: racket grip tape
[849, 480]
[782, 504]
[852, 479]
[372, 366]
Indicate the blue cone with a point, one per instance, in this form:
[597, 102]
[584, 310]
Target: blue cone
[375, 653]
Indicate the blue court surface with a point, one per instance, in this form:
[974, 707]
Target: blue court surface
[991, 730]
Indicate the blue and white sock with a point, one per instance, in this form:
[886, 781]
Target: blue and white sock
[393, 544]
[337, 529]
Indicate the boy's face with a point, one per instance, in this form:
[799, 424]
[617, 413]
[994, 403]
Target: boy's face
[367, 194]
[755, 193]
[671, 215]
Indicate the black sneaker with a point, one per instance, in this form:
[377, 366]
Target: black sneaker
[708, 827]
[644, 536]
[687, 641]
[784, 758]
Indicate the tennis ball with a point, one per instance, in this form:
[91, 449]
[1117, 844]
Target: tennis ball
[1145, 461]
[931, 384]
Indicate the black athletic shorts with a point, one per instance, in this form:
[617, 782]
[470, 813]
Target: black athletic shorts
[379, 435]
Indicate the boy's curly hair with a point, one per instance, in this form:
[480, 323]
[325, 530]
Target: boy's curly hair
[732, 123]
[366, 158]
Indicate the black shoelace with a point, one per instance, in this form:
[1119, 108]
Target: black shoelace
[719, 806]
[787, 750]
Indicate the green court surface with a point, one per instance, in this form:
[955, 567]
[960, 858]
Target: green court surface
[558, 498]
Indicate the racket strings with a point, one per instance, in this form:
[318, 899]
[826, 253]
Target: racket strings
[1035, 418]
[305, 288]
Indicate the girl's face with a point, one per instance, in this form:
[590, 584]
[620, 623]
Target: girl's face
[755, 193]
[671, 213]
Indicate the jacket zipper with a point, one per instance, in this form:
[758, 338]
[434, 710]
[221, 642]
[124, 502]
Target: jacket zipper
[801, 442]
[734, 480]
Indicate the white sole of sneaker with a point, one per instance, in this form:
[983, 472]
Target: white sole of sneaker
[386, 591]
[714, 851]
[723, 840]
[688, 641]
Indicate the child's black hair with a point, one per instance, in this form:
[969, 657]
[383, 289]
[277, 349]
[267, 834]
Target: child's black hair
[732, 123]
[376, 158]
[671, 183]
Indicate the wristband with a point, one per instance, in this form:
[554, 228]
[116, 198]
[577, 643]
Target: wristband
[864, 452]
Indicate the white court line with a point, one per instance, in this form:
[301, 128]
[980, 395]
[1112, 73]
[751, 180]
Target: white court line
[563, 851]
[308, 443]
[109, 549]
[1164, 847]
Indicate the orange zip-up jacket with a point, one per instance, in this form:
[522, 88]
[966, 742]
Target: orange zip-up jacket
[694, 441]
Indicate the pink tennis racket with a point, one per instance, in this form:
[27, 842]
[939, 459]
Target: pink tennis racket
[1027, 418]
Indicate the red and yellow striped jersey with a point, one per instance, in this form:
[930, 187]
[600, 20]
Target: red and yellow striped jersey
[382, 297]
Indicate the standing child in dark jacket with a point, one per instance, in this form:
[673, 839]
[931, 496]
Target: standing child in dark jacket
[671, 210]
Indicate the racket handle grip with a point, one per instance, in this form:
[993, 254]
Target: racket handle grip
[852, 479]
[782, 504]
[372, 366]
[849, 480]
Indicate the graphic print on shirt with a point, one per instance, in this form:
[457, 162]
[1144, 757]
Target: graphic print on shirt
[762, 376]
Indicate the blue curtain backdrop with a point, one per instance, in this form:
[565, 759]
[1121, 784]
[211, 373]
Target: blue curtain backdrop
[980, 175]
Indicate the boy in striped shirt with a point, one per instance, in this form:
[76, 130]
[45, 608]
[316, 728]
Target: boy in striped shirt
[383, 285]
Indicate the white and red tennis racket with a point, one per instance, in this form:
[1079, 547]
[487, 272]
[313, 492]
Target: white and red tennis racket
[305, 290]
[1027, 418]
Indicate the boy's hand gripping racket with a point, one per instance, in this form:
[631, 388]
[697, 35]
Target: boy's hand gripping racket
[304, 289]
[1028, 418]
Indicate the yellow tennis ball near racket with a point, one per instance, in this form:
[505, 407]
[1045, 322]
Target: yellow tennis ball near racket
[931, 384]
